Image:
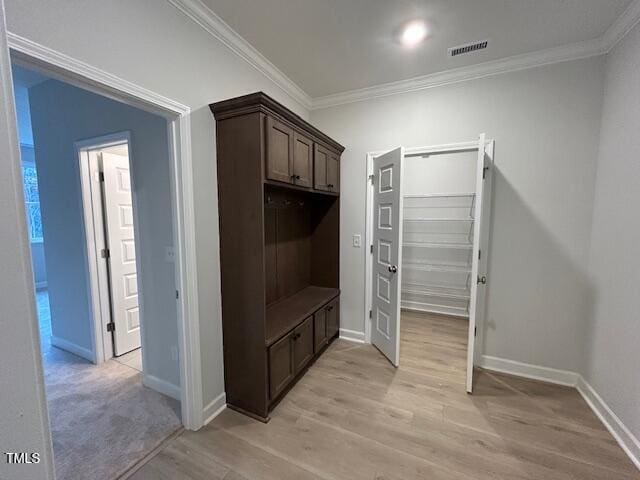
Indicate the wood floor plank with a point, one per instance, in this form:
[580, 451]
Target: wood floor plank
[353, 416]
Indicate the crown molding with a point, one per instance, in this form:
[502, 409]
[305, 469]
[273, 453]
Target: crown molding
[216, 26]
[623, 25]
[515, 63]
[575, 51]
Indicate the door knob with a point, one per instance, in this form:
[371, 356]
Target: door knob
[393, 268]
[482, 279]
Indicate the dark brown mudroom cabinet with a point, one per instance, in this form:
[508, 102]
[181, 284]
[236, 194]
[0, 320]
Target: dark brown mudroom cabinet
[279, 206]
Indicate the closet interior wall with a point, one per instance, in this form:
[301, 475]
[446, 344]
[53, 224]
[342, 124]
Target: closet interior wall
[438, 218]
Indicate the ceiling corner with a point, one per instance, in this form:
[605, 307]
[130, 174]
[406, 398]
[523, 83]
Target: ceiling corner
[623, 25]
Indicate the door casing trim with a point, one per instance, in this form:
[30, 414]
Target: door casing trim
[70, 70]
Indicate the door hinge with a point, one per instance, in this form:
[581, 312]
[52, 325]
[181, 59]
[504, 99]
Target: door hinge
[101, 176]
[104, 253]
[177, 294]
[475, 331]
[482, 279]
[111, 327]
[479, 254]
[370, 313]
[372, 178]
[484, 172]
[371, 248]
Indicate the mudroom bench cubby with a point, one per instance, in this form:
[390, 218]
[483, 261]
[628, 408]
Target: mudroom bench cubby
[279, 210]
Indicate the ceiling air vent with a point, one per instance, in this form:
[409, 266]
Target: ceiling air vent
[468, 48]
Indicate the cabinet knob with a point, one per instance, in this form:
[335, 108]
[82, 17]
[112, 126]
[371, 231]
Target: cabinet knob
[330, 185]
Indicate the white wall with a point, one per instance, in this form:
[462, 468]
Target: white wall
[440, 173]
[61, 115]
[613, 366]
[545, 122]
[154, 45]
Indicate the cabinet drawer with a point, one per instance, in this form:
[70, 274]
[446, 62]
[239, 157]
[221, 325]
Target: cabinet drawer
[320, 329]
[281, 369]
[333, 318]
[302, 344]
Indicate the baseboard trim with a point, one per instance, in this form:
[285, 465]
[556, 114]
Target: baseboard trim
[526, 370]
[161, 386]
[214, 408]
[629, 443]
[351, 335]
[73, 348]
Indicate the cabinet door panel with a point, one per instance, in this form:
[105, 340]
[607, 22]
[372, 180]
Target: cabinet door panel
[281, 370]
[333, 173]
[279, 150]
[320, 158]
[302, 160]
[320, 329]
[333, 318]
[303, 344]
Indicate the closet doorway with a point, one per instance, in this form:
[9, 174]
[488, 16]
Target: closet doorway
[428, 212]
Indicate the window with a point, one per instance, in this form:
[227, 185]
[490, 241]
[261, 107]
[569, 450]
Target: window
[32, 202]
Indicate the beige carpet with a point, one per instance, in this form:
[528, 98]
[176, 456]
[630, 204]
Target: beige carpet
[102, 418]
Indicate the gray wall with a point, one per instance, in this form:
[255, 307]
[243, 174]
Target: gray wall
[545, 122]
[38, 264]
[61, 115]
[613, 366]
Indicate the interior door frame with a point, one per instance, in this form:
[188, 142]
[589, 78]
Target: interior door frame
[37, 57]
[97, 274]
[413, 151]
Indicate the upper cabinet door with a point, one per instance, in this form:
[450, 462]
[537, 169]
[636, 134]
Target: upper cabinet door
[333, 173]
[320, 160]
[302, 160]
[279, 151]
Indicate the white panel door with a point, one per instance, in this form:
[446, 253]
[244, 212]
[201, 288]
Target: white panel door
[482, 213]
[118, 208]
[387, 252]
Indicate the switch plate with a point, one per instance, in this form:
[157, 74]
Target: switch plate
[169, 255]
[174, 353]
[357, 241]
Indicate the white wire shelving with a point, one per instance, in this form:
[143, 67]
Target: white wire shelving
[437, 252]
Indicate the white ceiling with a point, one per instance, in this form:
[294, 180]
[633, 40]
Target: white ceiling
[332, 46]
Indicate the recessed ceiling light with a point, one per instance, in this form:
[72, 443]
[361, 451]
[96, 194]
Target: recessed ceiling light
[413, 33]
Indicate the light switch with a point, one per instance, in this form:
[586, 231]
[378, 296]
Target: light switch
[357, 241]
[169, 255]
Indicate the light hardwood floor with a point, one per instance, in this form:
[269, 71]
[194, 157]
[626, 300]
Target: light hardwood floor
[353, 416]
